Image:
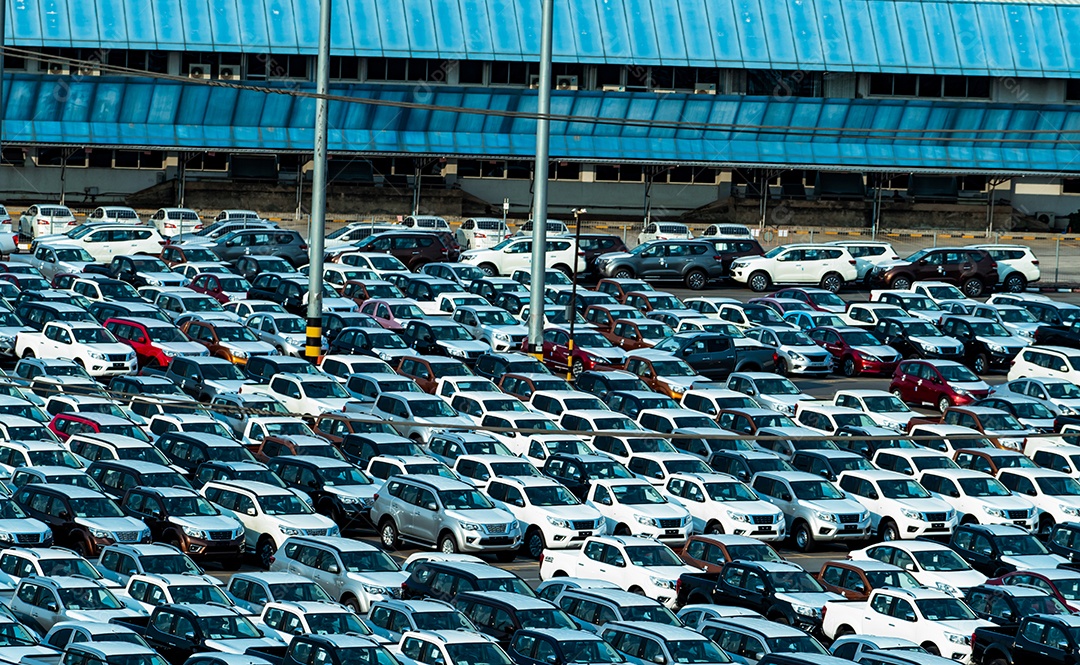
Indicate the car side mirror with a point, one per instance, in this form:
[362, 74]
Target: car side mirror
[334, 569]
[251, 512]
[520, 503]
[52, 606]
[605, 501]
[785, 496]
[936, 380]
[751, 392]
[189, 635]
[659, 659]
[954, 494]
[1031, 492]
[910, 567]
[743, 476]
[551, 659]
[922, 262]
[432, 506]
[873, 495]
[64, 515]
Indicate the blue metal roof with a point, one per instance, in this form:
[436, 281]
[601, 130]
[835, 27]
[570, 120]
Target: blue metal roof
[893, 135]
[983, 37]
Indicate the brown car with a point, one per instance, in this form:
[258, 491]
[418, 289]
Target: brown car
[427, 370]
[619, 288]
[749, 421]
[603, 317]
[174, 255]
[288, 446]
[711, 552]
[648, 301]
[225, 339]
[152, 505]
[649, 370]
[334, 427]
[973, 270]
[596, 245]
[981, 418]
[640, 334]
[856, 579]
[992, 460]
[413, 248]
[523, 386]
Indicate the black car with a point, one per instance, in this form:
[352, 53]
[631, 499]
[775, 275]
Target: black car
[715, 355]
[494, 365]
[633, 402]
[829, 464]
[509, 612]
[104, 310]
[36, 314]
[603, 384]
[376, 342]
[1064, 540]
[135, 386]
[265, 285]
[915, 338]
[987, 344]
[249, 267]
[577, 472]
[245, 470]
[996, 549]
[583, 300]
[263, 368]
[335, 487]
[360, 448]
[595, 245]
[744, 464]
[334, 322]
[435, 337]
[116, 476]
[444, 580]
[542, 646]
[1005, 604]
[188, 451]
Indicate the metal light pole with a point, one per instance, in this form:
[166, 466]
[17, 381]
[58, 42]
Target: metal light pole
[571, 309]
[317, 226]
[540, 184]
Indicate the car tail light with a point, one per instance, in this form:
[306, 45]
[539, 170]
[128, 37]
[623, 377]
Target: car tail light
[1034, 262]
[273, 559]
[375, 497]
[170, 226]
[43, 221]
[852, 262]
[198, 227]
[718, 258]
[480, 235]
[304, 247]
[993, 264]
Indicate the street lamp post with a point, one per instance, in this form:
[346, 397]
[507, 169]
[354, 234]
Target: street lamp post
[317, 227]
[571, 309]
[540, 183]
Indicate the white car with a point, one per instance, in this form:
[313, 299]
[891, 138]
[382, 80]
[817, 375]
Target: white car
[658, 467]
[825, 418]
[720, 504]
[45, 219]
[727, 231]
[516, 254]
[356, 573]
[287, 332]
[1055, 494]
[771, 391]
[482, 232]
[381, 264]
[304, 393]
[710, 306]
[632, 506]
[554, 228]
[286, 620]
[1059, 395]
[815, 509]
[711, 401]
[827, 266]
[867, 314]
[1050, 362]
[175, 222]
[795, 352]
[884, 408]
[1017, 266]
[493, 325]
[105, 241]
[88, 344]
[664, 231]
[114, 214]
[426, 222]
[553, 518]
[148, 591]
[934, 565]
[269, 514]
[939, 292]
[638, 565]
[915, 304]
[418, 415]
[480, 470]
[900, 508]
[867, 253]
[978, 497]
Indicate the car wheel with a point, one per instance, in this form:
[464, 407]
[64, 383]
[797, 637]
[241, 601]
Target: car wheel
[696, 280]
[534, 543]
[943, 403]
[489, 269]
[266, 551]
[972, 287]
[781, 367]
[759, 281]
[637, 590]
[898, 394]
[352, 603]
[577, 367]
[901, 283]
[832, 282]
[447, 544]
[850, 369]
[981, 364]
[931, 648]
[388, 534]
[1046, 524]
[624, 273]
[804, 540]
[1015, 283]
[714, 528]
[29, 353]
[889, 530]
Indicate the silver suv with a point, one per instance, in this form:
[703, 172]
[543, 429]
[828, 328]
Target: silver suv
[356, 573]
[447, 513]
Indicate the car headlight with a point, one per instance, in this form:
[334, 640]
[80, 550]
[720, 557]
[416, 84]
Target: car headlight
[169, 353]
[239, 354]
[687, 520]
[100, 533]
[961, 391]
[911, 514]
[558, 523]
[646, 520]
[348, 500]
[996, 348]
[1067, 410]
[947, 588]
[6, 537]
[96, 356]
[502, 337]
[289, 531]
[334, 531]
[950, 514]
[1070, 510]
[150, 281]
[376, 590]
[195, 533]
[738, 517]
[787, 408]
[871, 357]
[824, 517]
[995, 512]
[457, 353]
[958, 638]
[662, 583]
[806, 610]
[469, 526]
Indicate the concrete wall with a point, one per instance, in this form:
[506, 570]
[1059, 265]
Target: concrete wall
[34, 184]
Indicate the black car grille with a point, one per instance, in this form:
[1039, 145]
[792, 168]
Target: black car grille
[935, 517]
[27, 538]
[762, 519]
[117, 357]
[582, 525]
[670, 524]
[517, 339]
[127, 536]
[495, 528]
[315, 532]
[1018, 514]
[849, 519]
[221, 535]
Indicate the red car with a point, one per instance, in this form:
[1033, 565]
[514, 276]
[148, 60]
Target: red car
[857, 351]
[943, 383]
[1061, 583]
[220, 287]
[155, 342]
[392, 313]
[66, 425]
[819, 300]
[591, 351]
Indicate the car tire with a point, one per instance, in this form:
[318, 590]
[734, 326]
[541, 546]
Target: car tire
[265, 551]
[981, 365]
[577, 367]
[564, 269]
[844, 631]
[832, 282]
[489, 269]
[931, 648]
[714, 528]
[973, 287]
[759, 281]
[29, 353]
[388, 535]
[623, 273]
[1046, 524]
[636, 590]
[943, 403]
[621, 530]
[781, 366]
[1014, 283]
[849, 367]
[696, 280]
[900, 283]
[534, 544]
[889, 531]
[898, 394]
[447, 544]
[802, 537]
[352, 603]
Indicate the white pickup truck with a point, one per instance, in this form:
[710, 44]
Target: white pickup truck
[941, 624]
[304, 393]
[638, 565]
[88, 344]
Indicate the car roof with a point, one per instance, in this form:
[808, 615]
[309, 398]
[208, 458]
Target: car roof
[763, 627]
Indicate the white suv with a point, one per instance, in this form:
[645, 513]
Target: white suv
[1055, 494]
[1046, 362]
[899, 506]
[980, 498]
[1017, 266]
[176, 221]
[664, 231]
[867, 254]
[482, 232]
[828, 266]
[934, 565]
[552, 517]
[720, 504]
[516, 254]
[633, 506]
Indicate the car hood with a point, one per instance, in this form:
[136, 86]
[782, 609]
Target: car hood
[388, 579]
[163, 277]
[881, 351]
[835, 309]
[836, 506]
[464, 345]
[579, 512]
[810, 350]
[362, 492]
[609, 356]
[815, 600]
[1006, 502]
[248, 347]
[333, 403]
[449, 421]
[11, 331]
[965, 628]
[613, 256]
[889, 265]
[1041, 424]
[509, 329]
[72, 266]
[670, 572]
[1010, 343]
[788, 400]
[1033, 562]
[482, 516]
[750, 507]
[26, 525]
[960, 579]
[339, 305]
[940, 342]
[390, 355]
[928, 505]
[975, 386]
[183, 348]
[683, 383]
[305, 521]
[112, 524]
[241, 646]
[102, 616]
[110, 347]
[658, 510]
[209, 522]
[227, 385]
[748, 343]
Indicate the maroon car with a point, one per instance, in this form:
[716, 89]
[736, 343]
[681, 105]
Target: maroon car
[943, 383]
[220, 286]
[820, 300]
[856, 351]
[780, 305]
[1062, 583]
[973, 270]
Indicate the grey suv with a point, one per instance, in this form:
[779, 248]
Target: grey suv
[448, 513]
[693, 262]
[289, 245]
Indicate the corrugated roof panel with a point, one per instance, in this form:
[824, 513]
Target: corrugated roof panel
[724, 26]
[943, 48]
[1045, 22]
[970, 46]
[449, 29]
[528, 29]
[138, 101]
[23, 23]
[862, 37]
[613, 27]
[307, 32]
[1069, 17]
[476, 28]
[697, 38]
[85, 26]
[366, 36]
[198, 33]
[588, 35]
[564, 42]
[667, 17]
[254, 33]
[168, 23]
[888, 37]
[505, 39]
[752, 37]
[807, 32]
[836, 53]
[779, 35]
[994, 35]
[1023, 39]
[914, 30]
[644, 33]
[224, 26]
[420, 26]
[282, 26]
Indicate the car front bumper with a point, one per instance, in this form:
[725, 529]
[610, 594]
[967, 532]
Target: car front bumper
[877, 367]
[109, 368]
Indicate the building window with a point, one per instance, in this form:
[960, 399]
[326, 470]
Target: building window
[13, 157]
[513, 73]
[468, 168]
[207, 161]
[1072, 90]
[99, 158]
[564, 171]
[609, 76]
[929, 86]
[405, 69]
[684, 78]
[344, 68]
[56, 157]
[619, 173]
[519, 171]
[135, 159]
[287, 66]
[780, 83]
[471, 72]
[1068, 185]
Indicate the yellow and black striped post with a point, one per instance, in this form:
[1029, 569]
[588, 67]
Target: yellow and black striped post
[314, 339]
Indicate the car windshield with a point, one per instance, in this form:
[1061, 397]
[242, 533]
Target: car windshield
[980, 487]
[1058, 486]
[430, 469]
[885, 404]
[14, 634]
[510, 584]
[299, 592]
[810, 490]
[1025, 545]
[902, 489]
[615, 424]
[956, 373]
[9, 510]
[550, 617]
[119, 290]
[900, 579]
[636, 495]
[89, 598]
[464, 500]
[228, 627]
[224, 371]
[442, 620]
[199, 593]
[988, 329]
[75, 254]
[1001, 422]
[451, 332]
[793, 338]
[794, 582]
[945, 609]
[1032, 410]
[406, 311]
[338, 623]
[477, 653]
[591, 650]
[150, 265]
[206, 304]
[650, 445]
[189, 506]
[431, 408]
[95, 507]
[853, 420]
[652, 555]
[550, 495]
[764, 316]
[167, 479]
[495, 317]
[1016, 315]
[776, 387]
[568, 446]
[606, 470]
[342, 475]
[368, 561]
[795, 644]
[940, 561]
[169, 564]
[283, 504]
[654, 330]
[921, 329]
[687, 466]
[68, 568]
[324, 390]
[167, 334]
[696, 421]
[730, 491]
[521, 468]
[93, 336]
[860, 338]
[692, 652]
[672, 368]
[851, 464]
[235, 334]
[755, 552]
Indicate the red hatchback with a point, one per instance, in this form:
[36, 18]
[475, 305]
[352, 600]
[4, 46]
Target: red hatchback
[66, 425]
[943, 383]
[857, 351]
[220, 287]
[1062, 583]
[155, 342]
